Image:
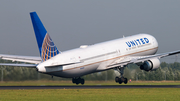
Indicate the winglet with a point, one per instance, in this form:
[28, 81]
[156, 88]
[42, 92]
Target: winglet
[46, 46]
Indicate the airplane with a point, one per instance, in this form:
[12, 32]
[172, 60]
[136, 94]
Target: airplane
[116, 54]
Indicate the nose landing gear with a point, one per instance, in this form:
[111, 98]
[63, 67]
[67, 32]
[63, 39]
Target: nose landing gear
[121, 79]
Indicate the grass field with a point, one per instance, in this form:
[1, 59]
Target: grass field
[147, 94]
[127, 94]
[130, 94]
[58, 83]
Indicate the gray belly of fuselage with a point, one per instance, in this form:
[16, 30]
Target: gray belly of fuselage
[75, 72]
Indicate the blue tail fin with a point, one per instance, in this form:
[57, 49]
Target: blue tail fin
[46, 46]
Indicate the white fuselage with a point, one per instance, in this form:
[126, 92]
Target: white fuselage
[97, 57]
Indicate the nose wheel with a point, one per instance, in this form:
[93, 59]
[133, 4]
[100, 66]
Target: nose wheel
[78, 81]
[121, 79]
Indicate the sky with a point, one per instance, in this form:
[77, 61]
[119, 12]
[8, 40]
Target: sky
[72, 23]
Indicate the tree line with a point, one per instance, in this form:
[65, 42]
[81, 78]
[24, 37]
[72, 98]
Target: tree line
[166, 71]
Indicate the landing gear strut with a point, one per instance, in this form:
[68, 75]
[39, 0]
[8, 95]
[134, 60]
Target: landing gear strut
[78, 80]
[121, 79]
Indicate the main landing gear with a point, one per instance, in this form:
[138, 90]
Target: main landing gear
[78, 80]
[121, 79]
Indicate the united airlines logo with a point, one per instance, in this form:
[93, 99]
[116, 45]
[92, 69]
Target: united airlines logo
[137, 42]
[48, 48]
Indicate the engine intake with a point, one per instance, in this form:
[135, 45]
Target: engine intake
[151, 64]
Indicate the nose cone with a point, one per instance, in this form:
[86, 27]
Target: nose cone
[155, 43]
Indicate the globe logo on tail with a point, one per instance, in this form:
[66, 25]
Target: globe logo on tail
[48, 48]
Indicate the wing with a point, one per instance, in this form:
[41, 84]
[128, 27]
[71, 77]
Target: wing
[28, 59]
[138, 59]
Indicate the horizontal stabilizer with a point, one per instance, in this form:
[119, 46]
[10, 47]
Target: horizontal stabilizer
[28, 59]
[18, 65]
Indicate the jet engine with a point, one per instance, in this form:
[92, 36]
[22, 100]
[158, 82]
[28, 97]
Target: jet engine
[151, 64]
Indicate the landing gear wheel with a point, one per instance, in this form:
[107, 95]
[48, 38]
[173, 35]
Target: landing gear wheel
[120, 81]
[125, 80]
[78, 80]
[73, 80]
[77, 83]
[117, 79]
[82, 81]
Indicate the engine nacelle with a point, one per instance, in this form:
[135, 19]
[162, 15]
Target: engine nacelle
[151, 64]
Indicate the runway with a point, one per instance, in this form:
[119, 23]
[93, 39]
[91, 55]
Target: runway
[90, 87]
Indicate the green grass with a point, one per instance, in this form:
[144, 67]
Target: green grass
[59, 83]
[145, 94]
[131, 94]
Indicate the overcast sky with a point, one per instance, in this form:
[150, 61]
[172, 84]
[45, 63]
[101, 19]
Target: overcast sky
[72, 23]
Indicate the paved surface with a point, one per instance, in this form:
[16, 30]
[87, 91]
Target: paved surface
[89, 87]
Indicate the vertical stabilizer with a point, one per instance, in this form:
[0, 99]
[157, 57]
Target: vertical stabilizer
[46, 46]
